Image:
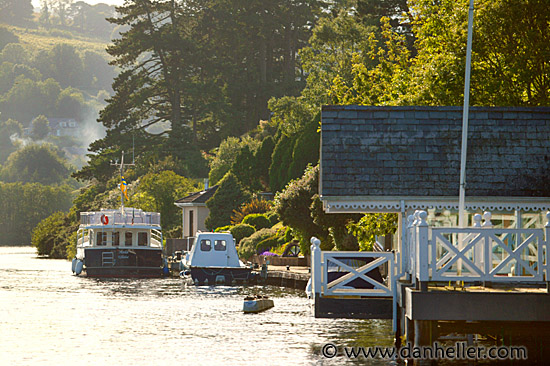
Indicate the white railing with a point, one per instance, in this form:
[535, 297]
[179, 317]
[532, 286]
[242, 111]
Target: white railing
[130, 216]
[353, 274]
[478, 254]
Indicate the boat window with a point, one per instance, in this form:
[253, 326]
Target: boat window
[115, 238]
[206, 245]
[128, 239]
[101, 238]
[142, 239]
[219, 245]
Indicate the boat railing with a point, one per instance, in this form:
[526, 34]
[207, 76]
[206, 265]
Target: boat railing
[156, 238]
[115, 217]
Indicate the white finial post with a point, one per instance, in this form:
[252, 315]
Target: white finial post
[477, 220]
[487, 217]
[316, 265]
[423, 253]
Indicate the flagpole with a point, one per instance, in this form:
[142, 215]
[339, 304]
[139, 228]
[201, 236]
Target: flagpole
[463, 151]
[121, 191]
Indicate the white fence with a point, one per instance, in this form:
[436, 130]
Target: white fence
[477, 254]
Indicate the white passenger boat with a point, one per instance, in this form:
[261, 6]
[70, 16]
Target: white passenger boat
[119, 243]
[256, 304]
[213, 259]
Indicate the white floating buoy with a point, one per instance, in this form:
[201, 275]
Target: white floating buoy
[220, 279]
[73, 265]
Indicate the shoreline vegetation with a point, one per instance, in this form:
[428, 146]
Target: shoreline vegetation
[234, 96]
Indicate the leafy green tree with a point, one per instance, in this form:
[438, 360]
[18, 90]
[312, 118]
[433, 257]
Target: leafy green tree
[158, 191]
[263, 160]
[46, 235]
[293, 205]
[241, 231]
[35, 163]
[14, 53]
[6, 37]
[8, 130]
[246, 171]
[228, 197]
[25, 205]
[226, 156]
[40, 128]
[18, 12]
[372, 225]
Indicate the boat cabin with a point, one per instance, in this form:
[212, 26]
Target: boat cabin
[214, 250]
[116, 228]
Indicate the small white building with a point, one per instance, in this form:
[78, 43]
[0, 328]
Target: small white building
[194, 211]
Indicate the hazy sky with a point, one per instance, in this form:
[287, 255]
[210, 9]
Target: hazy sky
[36, 3]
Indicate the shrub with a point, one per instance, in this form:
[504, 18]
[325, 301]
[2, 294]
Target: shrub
[273, 218]
[241, 231]
[247, 247]
[259, 221]
[223, 228]
[256, 206]
[267, 244]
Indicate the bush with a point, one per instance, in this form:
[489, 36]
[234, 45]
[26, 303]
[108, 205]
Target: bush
[273, 218]
[222, 229]
[267, 244]
[247, 247]
[241, 231]
[256, 206]
[259, 221]
[45, 235]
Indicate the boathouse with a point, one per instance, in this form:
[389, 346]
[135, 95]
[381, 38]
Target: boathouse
[406, 160]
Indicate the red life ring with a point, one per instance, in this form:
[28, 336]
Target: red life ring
[104, 220]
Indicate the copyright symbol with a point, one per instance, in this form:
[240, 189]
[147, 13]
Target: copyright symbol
[329, 350]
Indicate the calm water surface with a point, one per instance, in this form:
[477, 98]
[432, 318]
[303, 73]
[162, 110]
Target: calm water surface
[49, 316]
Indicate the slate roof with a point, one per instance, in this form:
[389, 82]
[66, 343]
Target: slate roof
[199, 197]
[415, 151]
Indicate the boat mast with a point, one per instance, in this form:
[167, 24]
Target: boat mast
[121, 175]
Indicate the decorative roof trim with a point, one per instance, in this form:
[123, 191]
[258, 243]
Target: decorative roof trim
[396, 204]
[190, 204]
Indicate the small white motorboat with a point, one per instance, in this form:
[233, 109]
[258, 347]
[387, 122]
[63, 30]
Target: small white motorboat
[255, 304]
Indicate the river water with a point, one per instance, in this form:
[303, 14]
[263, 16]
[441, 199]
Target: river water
[49, 316]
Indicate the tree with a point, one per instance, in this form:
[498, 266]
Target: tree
[19, 12]
[158, 192]
[226, 156]
[25, 205]
[228, 197]
[40, 128]
[7, 37]
[35, 163]
[9, 131]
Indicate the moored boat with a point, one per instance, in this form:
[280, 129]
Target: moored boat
[126, 242]
[256, 304]
[213, 259]
[119, 243]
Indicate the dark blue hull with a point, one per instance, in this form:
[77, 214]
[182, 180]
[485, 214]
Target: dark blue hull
[222, 275]
[123, 262]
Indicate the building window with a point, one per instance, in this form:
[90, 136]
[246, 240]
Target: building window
[101, 238]
[219, 245]
[191, 222]
[115, 238]
[128, 239]
[142, 239]
[206, 245]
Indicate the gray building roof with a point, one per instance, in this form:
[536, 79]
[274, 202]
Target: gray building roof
[404, 152]
[198, 197]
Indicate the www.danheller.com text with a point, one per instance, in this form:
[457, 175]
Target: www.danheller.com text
[457, 351]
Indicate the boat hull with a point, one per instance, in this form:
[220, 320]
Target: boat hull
[255, 306]
[123, 263]
[222, 275]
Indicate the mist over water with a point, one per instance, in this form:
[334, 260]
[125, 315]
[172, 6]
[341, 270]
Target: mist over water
[51, 317]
